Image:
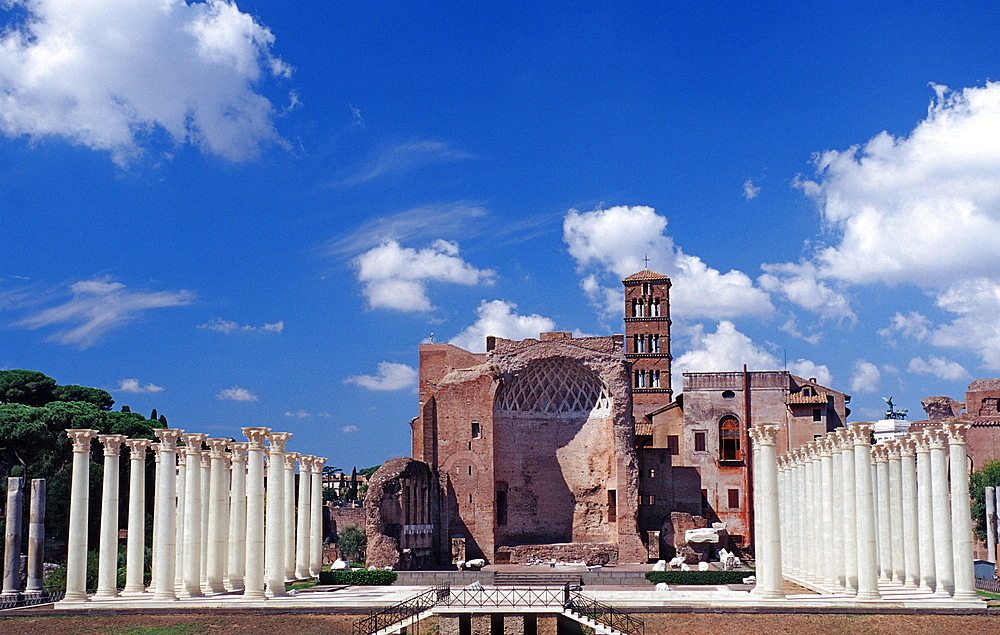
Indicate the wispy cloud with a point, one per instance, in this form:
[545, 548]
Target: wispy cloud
[236, 394]
[750, 191]
[390, 376]
[349, 429]
[228, 326]
[301, 414]
[402, 158]
[98, 306]
[135, 386]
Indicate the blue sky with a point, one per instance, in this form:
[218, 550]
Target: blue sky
[253, 213]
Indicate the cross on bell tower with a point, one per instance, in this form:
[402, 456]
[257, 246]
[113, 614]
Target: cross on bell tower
[647, 339]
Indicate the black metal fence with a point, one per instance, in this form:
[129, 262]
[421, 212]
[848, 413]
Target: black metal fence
[990, 586]
[506, 597]
[604, 614]
[402, 611]
[45, 596]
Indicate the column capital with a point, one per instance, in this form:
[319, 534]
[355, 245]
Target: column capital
[921, 443]
[81, 438]
[319, 462]
[880, 453]
[138, 447]
[217, 447]
[290, 459]
[112, 443]
[764, 433]
[906, 446]
[860, 433]
[305, 463]
[155, 447]
[892, 449]
[956, 431]
[182, 459]
[193, 441]
[206, 459]
[168, 438]
[278, 440]
[936, 438]
[256, 437]
[842, 437]
[826, 445]
[238, 452]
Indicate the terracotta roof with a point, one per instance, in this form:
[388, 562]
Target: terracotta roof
[643, 429]
[645, 274]
[798, 398]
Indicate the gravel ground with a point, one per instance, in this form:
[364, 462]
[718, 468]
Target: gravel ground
[656, 624]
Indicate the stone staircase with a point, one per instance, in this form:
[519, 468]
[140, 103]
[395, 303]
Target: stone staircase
[598, 628]
[536, 578]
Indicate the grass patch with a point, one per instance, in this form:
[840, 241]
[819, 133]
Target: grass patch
[698, 577]
[988, 595]
[172, 629]
[301, 585]
[358, 578]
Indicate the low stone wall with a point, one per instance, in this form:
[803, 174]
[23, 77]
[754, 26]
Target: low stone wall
[614, 578]
[441, 578]
[588, 553]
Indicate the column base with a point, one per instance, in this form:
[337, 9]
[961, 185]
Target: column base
[10, 596]
[104, 595]
[868, 596]
[74, 597]
[132, 592]
[966, 596]
[942, 593]
[254, 595]
[165, 597]
[235, 585]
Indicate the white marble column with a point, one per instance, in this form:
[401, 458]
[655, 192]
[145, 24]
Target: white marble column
[253, 578]
[155, 448]
[216, 511]
[290, 459]
[107, 563]
[227, 488]
[36, 538]
[192, 515]
[766, 509]
[12, 540]
[274, 530]
[816, 507]
[135, 548]
[865, 509]
[237, 516]
[989, 495]
[79, 505]
[803, 521]
[316, 522]
[881, 457]
[961, 514]
[181, 515]
[925, 512]
[303, 518]
[836, 524]
[166, 533]
[850, 523]
[206, 502]
[944, 569]
[908, 489]
[896, 512]
[825, 445]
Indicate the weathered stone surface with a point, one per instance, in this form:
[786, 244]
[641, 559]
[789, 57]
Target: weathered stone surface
[400, 510]
[941, 407]
[680, 523]
[591, 554]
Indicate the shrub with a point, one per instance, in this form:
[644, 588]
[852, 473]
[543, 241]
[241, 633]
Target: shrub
[358, 578]
[698, 577]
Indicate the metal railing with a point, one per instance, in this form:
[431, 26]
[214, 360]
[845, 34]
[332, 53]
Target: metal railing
[991, 586]
[45, 596]
[399, 612]
[506, 596]
[604, 614]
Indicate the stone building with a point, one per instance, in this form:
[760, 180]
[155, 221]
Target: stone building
[981, 409]
[575, 448]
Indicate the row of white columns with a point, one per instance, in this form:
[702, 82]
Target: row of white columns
[211, 532]
[850, 515]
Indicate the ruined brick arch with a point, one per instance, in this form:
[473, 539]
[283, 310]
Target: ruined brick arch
[554, 386]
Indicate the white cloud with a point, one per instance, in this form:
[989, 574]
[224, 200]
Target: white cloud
[727, 350]
[349, 429]
[228, 326]
[922, 208]
[913, 325]
[236, 394]
[976, 302]
[391, 376]
[615, 241]
[938, 367]
[499, 318]
[301, 414]
[98, 306]
[396, 277]
[324, 414]
[401, 158]
[798, 283]
[750, 191]
[418, 223]
[135, 386]
[111, 74]
[865, 377]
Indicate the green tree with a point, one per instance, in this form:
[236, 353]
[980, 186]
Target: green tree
[153, 416]
[72, 392]
[351, 542]
[28, 387]
[986, 476]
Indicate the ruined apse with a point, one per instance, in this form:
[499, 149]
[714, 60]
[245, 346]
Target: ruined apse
[533, 446]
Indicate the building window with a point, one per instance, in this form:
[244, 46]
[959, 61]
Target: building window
[654, 308]
[728, 394]
[612, 506]
[699, 441]
[654, 379]
[646, 288]
[652, 499]
[654, 343]
[734, 499]
[729, 439]
[639, 344]
[807, 392]
[640, 379]
[704, 502]
[477, 430]
[470, 470]
[673, 445]
[652, 474]
[470, 498]
[817, 414]
[501, 508]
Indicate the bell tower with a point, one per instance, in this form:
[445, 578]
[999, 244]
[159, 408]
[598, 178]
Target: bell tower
[647, 340]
